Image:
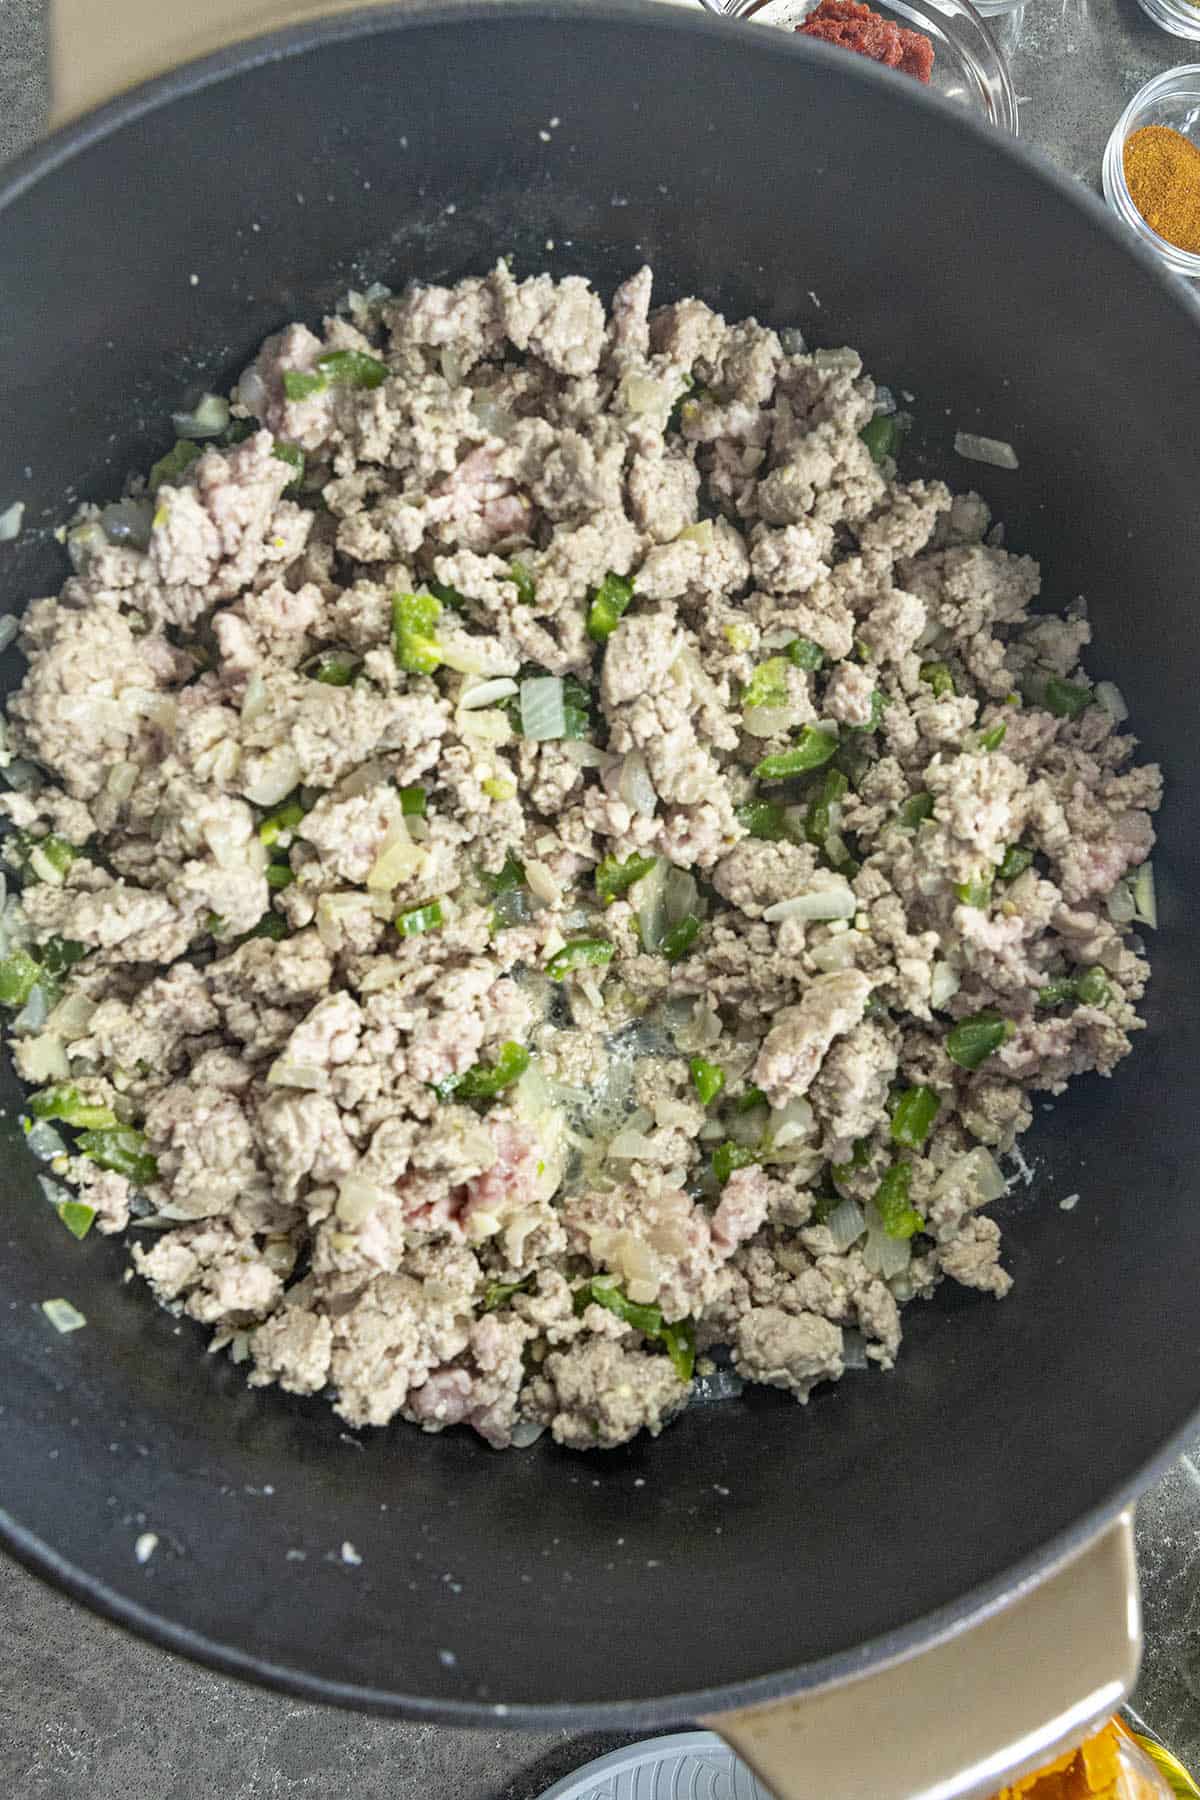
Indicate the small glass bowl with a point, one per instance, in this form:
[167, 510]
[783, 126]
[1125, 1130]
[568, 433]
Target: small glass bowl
[1175, 16]
[969, 66]
[1170, 99]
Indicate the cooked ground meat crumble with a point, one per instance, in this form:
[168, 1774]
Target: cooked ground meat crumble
[542, 857]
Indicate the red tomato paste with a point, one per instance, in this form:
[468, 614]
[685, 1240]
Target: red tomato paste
[856, 27]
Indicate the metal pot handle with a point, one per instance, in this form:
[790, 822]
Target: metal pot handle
[995, 1701]
[96, 53]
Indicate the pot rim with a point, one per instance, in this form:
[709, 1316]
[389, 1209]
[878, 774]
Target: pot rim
[978, 1603]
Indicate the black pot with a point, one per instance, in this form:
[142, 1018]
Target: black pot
[755, 1549]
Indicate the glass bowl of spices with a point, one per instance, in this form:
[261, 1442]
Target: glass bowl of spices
[1151, 170]
[968, 66]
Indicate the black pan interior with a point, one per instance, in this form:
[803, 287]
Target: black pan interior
[755, 1546]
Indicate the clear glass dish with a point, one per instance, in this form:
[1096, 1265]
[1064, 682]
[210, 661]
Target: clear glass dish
[1176, 16]
[969, 66]
[1171, 99]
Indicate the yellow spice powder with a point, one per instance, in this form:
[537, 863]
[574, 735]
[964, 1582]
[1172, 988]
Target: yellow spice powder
[1162, 173]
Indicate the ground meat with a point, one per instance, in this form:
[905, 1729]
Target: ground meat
[410, 896]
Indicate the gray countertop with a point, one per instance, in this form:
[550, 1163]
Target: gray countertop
[87, 1711]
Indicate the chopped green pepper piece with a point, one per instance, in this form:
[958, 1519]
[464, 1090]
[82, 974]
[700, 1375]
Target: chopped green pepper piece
[483, 1083]
[499, 1293]
[879, 701]
[993, 737]
[279, 876]
[1057, 992]
[412, 802]
[679, 940]
[507, 879]
[419, 919]
[60, 954]
[293, 455]
[916, 809]
[768, 686]
[680, 1342]
[900, 1219]
[522, 579]
[353, 368]
[938, 675]
[730, 1156]
[707, 1078]
[300, 384]
[614, 877]
[973, 1039]
[122, 1150]
[57, 851]
[333, 668]
[1066, 699]
[62, 1101]
[1014, 862]
[976, 892]
[675, 416]
[580, 953]
[413, 643]
[449, 596]
[609, 603]
[747, 1100]
[765, 819]
[913, 1116]
[811, 750]
[175, 463]
[19, 975]
[1091, 986]
[497, 789]
[882, 435]
[77, 1216]
[804, 654]
[275, 824]
[816, 820]
[269, 926]
[860, 1156]
[602, 1290]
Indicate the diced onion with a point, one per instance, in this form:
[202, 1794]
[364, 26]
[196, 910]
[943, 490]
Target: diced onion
[493, 415]
[1110, 697]
[451, 365]
[977, 1171]
[770, 721]
[34, 1013]
[398, 858]
[121, 781]
[255, 700]
[52, 1191]
[842, 358]
[72, 1016]
[22, 775]
[488, 725]
[944, 983]
[641, 394]
[700, 533]
[846, 1224]
[837, 901]
[358, 1199]
[884, 1255]
[276, 774]
[588, 756]
[128, 522]
[635, 786]
[487, 693]
[543, 715]
[1120, 904]
[10, 521]
[62, 1315]
[790, 1123]
[1145, 900]
[44, 1058]
[629, 1144]
[297, 1075]
[542, 882]
[995, 451]
[43, 868]
[208, 419]
[525, 1433]
[791, 339]
[8, 630]
[471, 655]
[44, 1141]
